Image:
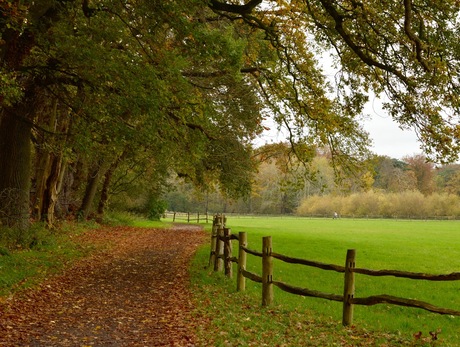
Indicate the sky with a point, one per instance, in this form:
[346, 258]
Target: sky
[388, 139]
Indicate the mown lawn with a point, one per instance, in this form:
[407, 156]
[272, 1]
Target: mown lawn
[416, 246]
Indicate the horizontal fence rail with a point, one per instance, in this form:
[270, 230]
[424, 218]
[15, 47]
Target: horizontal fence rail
[221, 257]
[187, 216]
[454, 276]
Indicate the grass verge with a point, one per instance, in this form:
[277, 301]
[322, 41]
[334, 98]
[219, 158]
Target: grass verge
[27, 257]
[40, 253]
[237, 319]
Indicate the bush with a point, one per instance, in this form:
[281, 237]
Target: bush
[35, 236]
[156, 208]
[411, 204]
[316, 205]
[406, 204]
[444, 205]
[113, 218]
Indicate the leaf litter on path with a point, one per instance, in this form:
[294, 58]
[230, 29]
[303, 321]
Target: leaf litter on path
[131, 293]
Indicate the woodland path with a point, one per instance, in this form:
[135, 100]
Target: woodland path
[133, 292]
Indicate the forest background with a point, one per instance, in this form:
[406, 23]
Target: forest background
[410, 187]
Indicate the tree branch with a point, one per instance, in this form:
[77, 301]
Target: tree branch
[419, 45]
[232, 8]
[192, 126]
[338, 19]
[220, 73]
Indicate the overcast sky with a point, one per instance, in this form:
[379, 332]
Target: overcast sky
[387, 137]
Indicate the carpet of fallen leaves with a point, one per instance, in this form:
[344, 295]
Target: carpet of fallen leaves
[131, 293]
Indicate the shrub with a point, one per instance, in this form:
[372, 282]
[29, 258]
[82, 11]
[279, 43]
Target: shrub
[363, 204]
[443, 205]
[156, 208]
[35, 236]
[316, 205]
[406, 204]
[411, 204]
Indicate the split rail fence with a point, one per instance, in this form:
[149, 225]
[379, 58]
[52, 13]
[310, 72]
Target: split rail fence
[187, 216]
[221, 258]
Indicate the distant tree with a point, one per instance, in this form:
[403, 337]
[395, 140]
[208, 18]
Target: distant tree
[453, 185]
[393, 175]
[447, 178]
[423, 171]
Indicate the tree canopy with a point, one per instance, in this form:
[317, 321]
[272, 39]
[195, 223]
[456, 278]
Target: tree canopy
[93, 91]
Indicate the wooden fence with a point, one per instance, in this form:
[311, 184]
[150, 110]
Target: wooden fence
[187, 216]
[221, 258]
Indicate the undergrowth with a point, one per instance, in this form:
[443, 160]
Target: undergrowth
[28, 256]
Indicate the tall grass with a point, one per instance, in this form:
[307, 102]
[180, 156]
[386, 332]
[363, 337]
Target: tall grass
[416, 246]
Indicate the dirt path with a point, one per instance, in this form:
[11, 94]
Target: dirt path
[132, 294]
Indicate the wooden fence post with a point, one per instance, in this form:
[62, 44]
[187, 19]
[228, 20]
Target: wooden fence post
[174, 217]
[241, 280]
[267, 271]
[219, 248]
[212, 254]
[228, 265]
[349, 288]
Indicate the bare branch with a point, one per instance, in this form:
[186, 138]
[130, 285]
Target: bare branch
[419, 45]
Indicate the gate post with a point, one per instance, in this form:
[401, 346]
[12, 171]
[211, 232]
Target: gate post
[212, 254]
[219, 248]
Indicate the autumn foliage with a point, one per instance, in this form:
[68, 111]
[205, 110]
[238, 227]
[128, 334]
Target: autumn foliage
[407, 204]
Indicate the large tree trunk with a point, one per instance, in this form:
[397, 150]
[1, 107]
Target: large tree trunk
[15, 134]
[50, 163]
[94, 178]
[15, 156]
[103, 201]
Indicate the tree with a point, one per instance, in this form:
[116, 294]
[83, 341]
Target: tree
[393, 175]
[179, 76]
[124, 78]
[423, 171]
[448, 178]
[407, 50]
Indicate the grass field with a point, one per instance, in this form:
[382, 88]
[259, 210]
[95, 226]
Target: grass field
[416, 246]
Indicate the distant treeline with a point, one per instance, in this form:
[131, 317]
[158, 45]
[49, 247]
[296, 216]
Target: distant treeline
[407, 204]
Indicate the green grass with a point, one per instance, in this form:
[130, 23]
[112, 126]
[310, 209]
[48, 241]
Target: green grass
[416, 246]
[30, 256]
